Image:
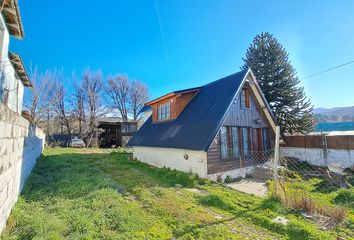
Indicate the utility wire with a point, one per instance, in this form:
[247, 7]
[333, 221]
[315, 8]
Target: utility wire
[162, 32]
[327, 70]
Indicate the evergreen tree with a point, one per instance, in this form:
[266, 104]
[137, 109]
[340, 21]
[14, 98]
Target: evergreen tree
[277, 78]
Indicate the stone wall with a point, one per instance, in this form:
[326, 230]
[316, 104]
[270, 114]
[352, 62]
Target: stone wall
[20, 146]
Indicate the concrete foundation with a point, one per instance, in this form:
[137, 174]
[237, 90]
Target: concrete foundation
[179, 159]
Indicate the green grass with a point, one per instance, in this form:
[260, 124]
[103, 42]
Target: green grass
[99, 194]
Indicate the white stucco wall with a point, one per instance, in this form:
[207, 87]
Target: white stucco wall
[173, 158]
[4, 39]
[11, 81]
[316, 156]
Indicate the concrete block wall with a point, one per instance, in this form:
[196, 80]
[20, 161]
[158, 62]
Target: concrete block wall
[21, 144]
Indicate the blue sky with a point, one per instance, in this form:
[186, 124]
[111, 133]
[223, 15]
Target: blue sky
[200, 41]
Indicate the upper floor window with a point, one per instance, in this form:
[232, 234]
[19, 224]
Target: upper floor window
[245, 99]
[163, 111]
[129, 128]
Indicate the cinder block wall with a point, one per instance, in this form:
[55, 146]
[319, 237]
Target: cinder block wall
[20, 146]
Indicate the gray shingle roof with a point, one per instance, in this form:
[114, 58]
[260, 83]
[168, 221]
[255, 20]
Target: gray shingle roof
[197, 125]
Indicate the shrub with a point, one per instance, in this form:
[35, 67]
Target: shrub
[228, 179]
[345, 197]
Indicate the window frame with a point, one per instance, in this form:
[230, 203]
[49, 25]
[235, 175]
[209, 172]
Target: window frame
[164, 111]
[223, 142]
[265, 138]
[245, 99]
[246, 140]
[235, 141]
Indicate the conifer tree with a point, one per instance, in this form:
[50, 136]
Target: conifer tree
[272, 68]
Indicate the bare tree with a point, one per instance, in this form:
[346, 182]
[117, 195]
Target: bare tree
[79, 105]
[59, 106]
[92, 85]
[118, 91]
[138, 96]
[37, 102]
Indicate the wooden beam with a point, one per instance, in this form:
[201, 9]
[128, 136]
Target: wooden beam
[10, 10]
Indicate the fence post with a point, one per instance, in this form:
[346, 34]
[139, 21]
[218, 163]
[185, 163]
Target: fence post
[276, 159]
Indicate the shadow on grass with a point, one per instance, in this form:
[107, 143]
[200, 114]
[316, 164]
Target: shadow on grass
[72, 175]
[193, 230]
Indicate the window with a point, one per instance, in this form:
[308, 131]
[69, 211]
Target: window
[245, 140]
[223, 142]
[128, 128]
[235, 142]
[163, 111]
[245, 99]
[265, 138]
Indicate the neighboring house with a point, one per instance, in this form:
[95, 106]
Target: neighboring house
[13, 76]
[115, 131]
[213, 130]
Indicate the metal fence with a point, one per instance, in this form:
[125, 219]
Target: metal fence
[321, 188]
[318, 190]
[228, 159]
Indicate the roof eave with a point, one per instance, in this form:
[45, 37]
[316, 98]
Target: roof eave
[274, 120]
[20, 69]
[171, 94]
[12, 17]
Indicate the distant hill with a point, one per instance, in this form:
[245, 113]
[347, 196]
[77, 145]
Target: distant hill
[338, 111]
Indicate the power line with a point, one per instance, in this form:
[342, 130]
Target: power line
[327, 70]
[162, 32]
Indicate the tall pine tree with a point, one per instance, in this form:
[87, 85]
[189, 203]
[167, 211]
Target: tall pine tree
[277, 78]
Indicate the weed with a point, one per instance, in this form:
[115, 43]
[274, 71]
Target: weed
[99, 194]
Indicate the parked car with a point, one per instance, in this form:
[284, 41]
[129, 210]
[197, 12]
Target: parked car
[77, 143]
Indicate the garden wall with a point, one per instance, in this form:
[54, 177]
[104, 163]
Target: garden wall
[21, 144]
[321, 149]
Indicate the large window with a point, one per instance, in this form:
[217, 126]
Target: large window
[246, 140]
[223, 142]
[265, 141]
[242, 140]
[245, 99]
[163, 111]
[235, 142]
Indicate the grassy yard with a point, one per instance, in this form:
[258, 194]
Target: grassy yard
[99, 194]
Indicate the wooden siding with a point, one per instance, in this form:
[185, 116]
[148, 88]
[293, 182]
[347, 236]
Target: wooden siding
[181, 102]
[320, 141]
[177, 103]
[252, 118]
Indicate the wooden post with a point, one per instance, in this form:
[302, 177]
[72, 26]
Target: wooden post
[276, 159]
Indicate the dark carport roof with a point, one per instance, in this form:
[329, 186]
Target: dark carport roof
[197, 125]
